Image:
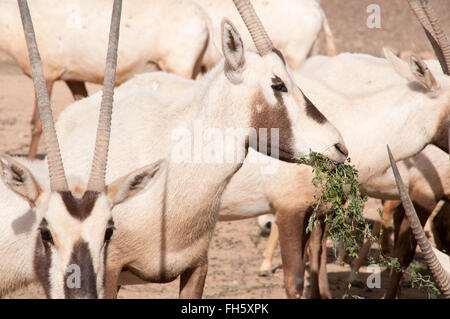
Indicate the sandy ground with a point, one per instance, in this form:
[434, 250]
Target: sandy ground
[236, 250]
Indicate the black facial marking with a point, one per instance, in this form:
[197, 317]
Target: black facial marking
[313, 112]
[266, 116]
[280, 55]
[278, 85]
[80, 208]
[81, 256]
[46, 235]
[108, 233]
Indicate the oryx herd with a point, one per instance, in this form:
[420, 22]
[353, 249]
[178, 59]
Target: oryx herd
[136, 176]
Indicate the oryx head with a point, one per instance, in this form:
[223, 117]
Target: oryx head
[276, 102]
[74, 225]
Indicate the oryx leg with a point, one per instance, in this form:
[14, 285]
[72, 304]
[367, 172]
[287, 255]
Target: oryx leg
[318, 261]
[362, 256]
[314, 259]
[266, 266]
[192, 281]
[36, 126]
[324, 286]
[78, 89]
[440, 227]
[293, 238]
[389, 207]
[404, 246]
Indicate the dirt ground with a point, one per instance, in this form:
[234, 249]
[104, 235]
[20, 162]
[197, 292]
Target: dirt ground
[236, 250]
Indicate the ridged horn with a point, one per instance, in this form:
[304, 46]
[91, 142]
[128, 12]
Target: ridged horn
[258, 33]
[433, 29]
[441, 277]
[58, 180]
[416, 7]
[98, 170]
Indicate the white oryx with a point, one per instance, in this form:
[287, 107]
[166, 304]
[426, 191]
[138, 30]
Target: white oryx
[406, 113]
[72, 41]
[164, 231]
[293, 25]
[57, 232]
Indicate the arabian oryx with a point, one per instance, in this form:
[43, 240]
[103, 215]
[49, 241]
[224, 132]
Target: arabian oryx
[288, 192]
[164, 231]
[293, 25]
[73, 43]
[430, 87]
[57, 232]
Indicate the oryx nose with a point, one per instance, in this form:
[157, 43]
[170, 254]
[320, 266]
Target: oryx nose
[342, 149]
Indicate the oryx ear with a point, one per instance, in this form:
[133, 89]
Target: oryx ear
[18, 178]
[423, 75]
[400, 66]
[233, 51]
[131, 184]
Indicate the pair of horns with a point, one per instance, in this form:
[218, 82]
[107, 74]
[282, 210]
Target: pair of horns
[434, 31]
[259, 35]
[58, 181]
[439, 274]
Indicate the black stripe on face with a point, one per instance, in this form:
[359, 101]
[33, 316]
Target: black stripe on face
[81, 256]
[267, 116]
[79, 208]
[313, 112]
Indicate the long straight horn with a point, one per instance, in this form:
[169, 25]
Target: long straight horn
[58, 180]
[440, 36]
[98, 169]
[254, 26]
[439, 274]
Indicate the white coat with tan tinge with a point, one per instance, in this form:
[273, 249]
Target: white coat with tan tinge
[165, 230]
[251, 193]
[72, 37]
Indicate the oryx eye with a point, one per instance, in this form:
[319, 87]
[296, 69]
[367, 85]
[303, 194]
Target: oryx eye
[108, 233]
[278, 85]
[46, 235]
